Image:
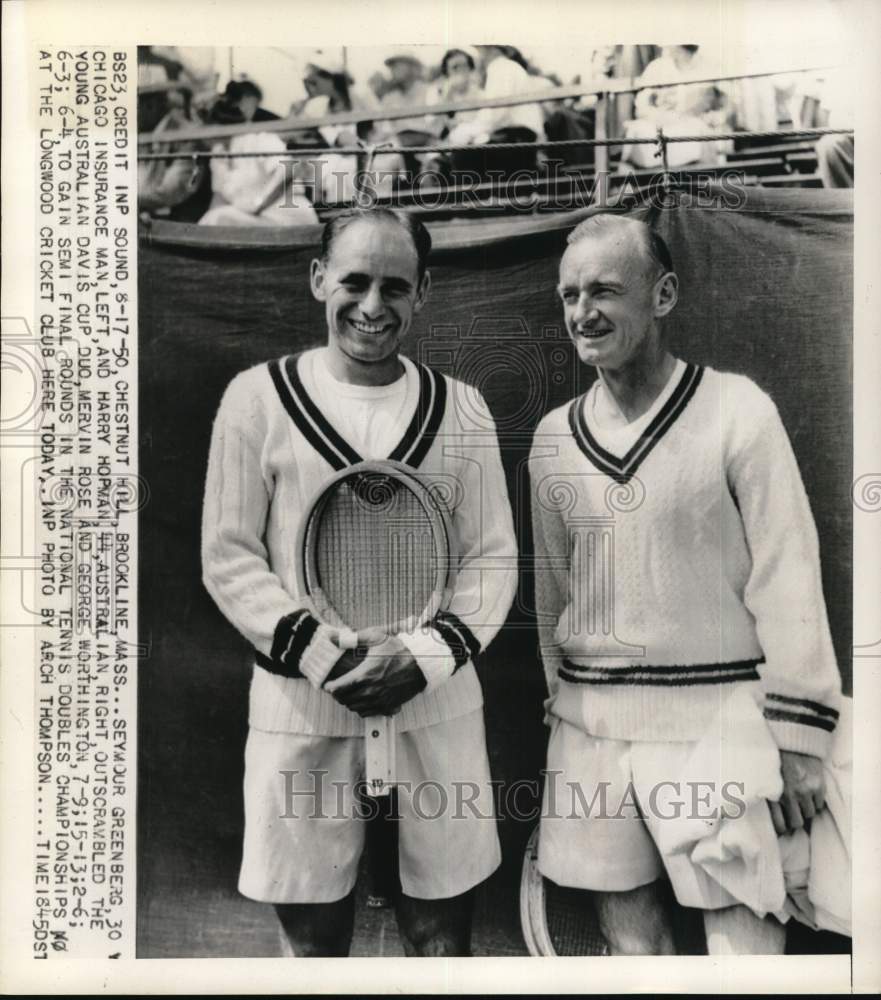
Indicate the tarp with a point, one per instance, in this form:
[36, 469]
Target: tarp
[766, 289]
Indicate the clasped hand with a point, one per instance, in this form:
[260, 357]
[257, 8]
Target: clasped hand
[376, 679]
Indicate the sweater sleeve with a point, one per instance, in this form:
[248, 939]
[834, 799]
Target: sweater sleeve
[235, 561]
[784, 591]
[550, 565]
[486, 578]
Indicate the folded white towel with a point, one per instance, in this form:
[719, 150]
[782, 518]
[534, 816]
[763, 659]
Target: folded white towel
[801, 876]
[738, 765]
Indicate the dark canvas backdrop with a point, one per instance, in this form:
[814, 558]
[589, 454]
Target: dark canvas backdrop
[766, 290]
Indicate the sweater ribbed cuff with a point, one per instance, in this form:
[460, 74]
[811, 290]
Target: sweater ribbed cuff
[319, 658]
[800, 739]
[301, 647]
[432, 654]
[443, 648]
[799, 725]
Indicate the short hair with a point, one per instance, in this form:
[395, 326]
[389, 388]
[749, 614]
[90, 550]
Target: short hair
[409, 223]
[653, 243]
[448, 55]
[237, 89]
[247, 88]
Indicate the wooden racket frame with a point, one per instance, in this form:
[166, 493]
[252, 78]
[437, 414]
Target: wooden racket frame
[533, 903]
[379, 730]
[533, 918]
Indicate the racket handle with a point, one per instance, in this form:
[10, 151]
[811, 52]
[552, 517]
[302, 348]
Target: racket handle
[348, 638]
[379, 753]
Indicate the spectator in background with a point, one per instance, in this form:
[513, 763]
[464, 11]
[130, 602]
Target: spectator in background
[620, 62]
[406, 88]
[685, 109]
[459, 80]
[247, 97]
[329, 90]
[161, 64]
[506, 75]
[250, 190]
[176, 188]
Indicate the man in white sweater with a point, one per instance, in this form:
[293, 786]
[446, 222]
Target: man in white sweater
[676, 562]
[284, 428]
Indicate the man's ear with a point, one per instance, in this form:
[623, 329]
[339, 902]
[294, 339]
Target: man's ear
[666, 294]
[422, 291]
[317, 279]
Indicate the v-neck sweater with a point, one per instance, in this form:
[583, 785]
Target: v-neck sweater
[686, 563]
[272, 449]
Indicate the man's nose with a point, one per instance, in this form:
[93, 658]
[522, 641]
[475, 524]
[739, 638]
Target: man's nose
[372, 305]
[586, 312]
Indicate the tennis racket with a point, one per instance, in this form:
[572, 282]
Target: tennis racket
[376, 559]
[556, 920]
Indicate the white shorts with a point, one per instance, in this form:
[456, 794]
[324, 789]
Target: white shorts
[304, 823]
[602, 816]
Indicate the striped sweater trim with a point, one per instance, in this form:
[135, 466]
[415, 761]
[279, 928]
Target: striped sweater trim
[803, 703]
[623, 469]
[293, 633]
[329, 443]
[668, 675]
[455, 633]
[423, 428]
[312, 430]
[801, 711]
[331, 438]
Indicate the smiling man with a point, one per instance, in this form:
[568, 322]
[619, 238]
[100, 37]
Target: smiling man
[684, 569]
[283, 429]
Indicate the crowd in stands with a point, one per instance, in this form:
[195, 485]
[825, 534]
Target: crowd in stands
[246, 182]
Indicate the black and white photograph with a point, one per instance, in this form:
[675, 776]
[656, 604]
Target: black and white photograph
[525, 614]
[449, 496]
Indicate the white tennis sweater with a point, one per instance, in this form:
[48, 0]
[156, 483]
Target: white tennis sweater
[272, 448]
[686, 563]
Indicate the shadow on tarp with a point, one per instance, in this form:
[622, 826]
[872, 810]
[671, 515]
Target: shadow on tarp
[765, 290]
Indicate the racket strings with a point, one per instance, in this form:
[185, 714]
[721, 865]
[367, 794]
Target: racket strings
[572, 922]
[375, 553]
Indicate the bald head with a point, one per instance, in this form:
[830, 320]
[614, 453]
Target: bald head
[648, 245]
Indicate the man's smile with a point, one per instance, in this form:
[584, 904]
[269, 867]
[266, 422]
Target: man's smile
[371, 329]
